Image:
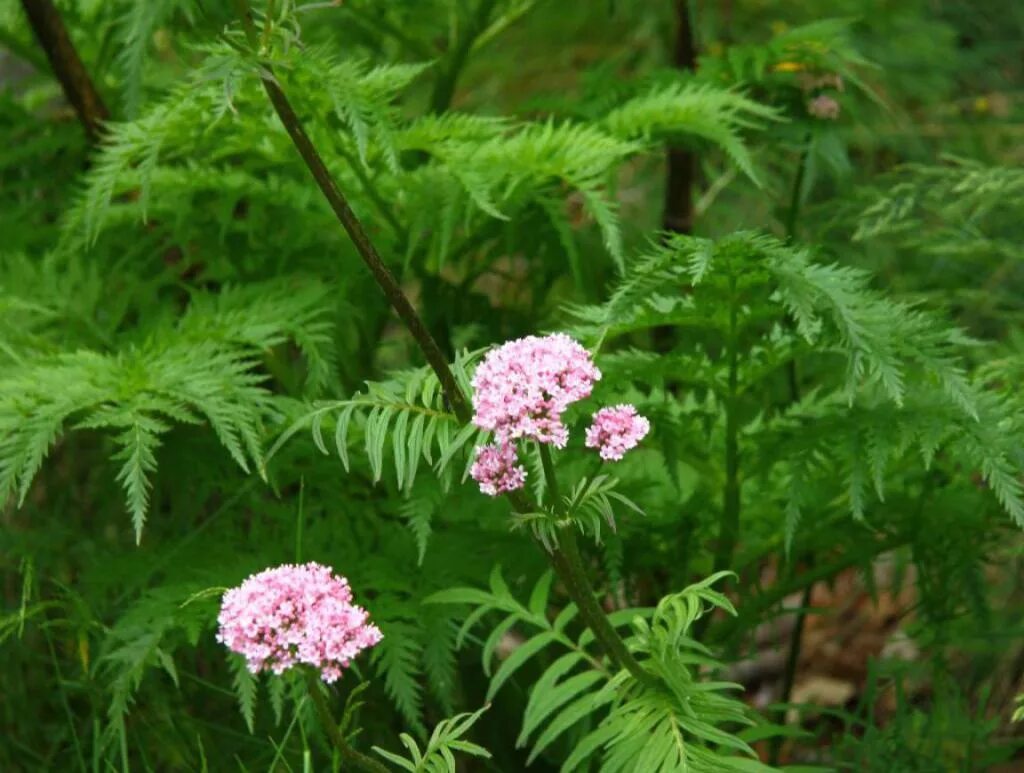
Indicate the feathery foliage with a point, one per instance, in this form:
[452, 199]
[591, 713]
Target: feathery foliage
[439, 754]
[188, 332]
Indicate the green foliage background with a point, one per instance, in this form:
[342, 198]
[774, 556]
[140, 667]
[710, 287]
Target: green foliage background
[199, 378]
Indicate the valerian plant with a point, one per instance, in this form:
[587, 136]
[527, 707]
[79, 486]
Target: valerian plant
[313, 304]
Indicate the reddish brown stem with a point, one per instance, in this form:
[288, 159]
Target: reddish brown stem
[354, 228]
[78, 87]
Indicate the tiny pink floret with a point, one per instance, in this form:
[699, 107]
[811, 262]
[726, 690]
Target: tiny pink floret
[292, 615]
[523, 387]
[616, 430]
[497, 470]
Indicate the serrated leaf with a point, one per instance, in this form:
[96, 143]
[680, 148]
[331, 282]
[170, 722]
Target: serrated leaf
[244, 683]
[517, 659]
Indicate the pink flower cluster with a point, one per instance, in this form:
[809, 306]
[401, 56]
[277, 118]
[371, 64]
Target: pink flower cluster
[616, 430]
[497, 470]
[523, 387]
[824, 107]
[291, 615]
[521, 390]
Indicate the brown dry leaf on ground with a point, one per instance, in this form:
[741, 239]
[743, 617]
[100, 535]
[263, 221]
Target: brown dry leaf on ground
[846, 628]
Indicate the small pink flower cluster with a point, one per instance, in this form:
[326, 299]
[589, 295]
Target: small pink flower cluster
[521, 390]
[824, 107]
[291, 615]
[496, 469]
[523, 387]
[616, 430]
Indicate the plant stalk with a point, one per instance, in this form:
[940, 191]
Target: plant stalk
[549, 475]
[444, 88]
[330, 725]
[795, 196]
[729, 530]
[568, 564]
[566, 561]
[678, 214]
[792, 660]
[385, 279]
[796, 636]
[354, 228]
[792, 215]
[79, 89]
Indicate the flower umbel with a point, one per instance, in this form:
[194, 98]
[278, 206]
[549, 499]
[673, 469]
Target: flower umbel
[824, 107]
[522, 388]
[616, 430]
[497, 470]
[292, 615]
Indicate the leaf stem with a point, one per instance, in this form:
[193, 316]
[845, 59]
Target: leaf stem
[330, 726]
[382, 207]
[354, 227]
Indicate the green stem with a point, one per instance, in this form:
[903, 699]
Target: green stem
[569, 566]
[796, 636]
[354, 227]
[792, 215]
[330, 725]
[444, 88]
[549, 475]
[796, 195]
[729, 530]
[792, 659]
